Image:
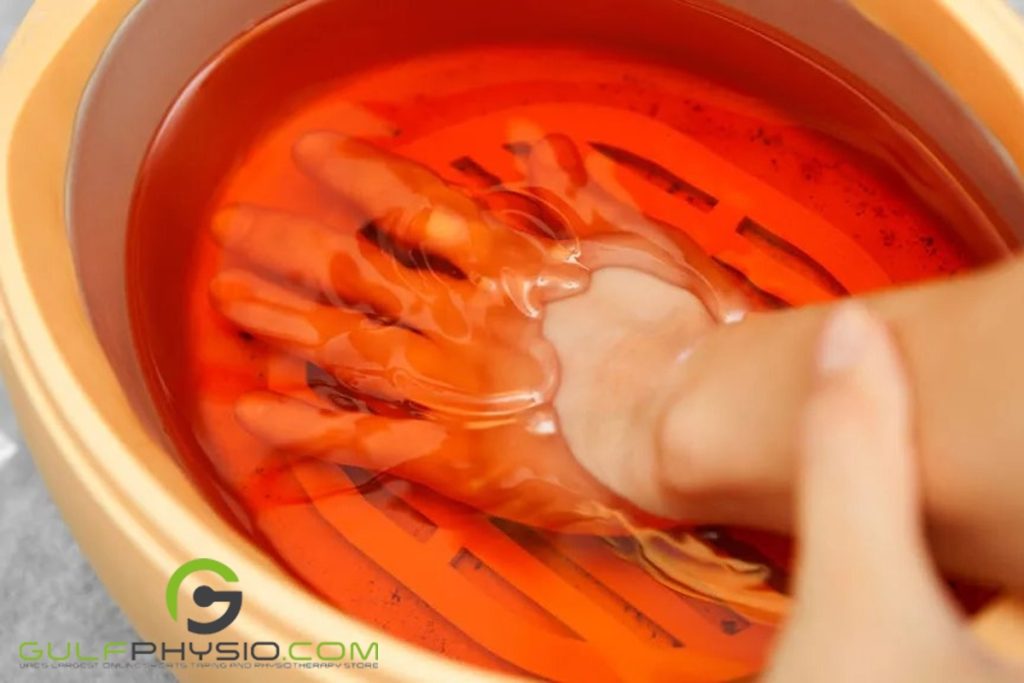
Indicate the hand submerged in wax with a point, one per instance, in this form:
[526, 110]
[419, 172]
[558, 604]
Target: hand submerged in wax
[507, 361]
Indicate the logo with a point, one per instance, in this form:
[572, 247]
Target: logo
[205, 596]
[202, 654]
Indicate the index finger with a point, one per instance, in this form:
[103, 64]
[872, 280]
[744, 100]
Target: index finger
[409, 201]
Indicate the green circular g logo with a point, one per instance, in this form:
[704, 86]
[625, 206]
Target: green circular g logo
[204, 596]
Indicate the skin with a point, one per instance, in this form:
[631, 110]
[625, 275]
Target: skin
[769, 422]
[961, 340]
[419, 295]
[700, 423]
[859, 519]
[429, 303]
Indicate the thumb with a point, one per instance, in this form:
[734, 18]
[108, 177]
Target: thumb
[864, 564]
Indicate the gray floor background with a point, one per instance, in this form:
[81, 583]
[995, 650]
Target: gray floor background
[40, 564]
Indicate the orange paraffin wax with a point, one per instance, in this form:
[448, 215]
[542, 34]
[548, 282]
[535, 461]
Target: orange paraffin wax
[340, 255]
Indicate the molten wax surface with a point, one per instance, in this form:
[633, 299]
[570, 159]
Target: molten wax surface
[343, 242]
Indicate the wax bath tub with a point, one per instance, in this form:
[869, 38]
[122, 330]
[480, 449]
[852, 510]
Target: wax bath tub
[84, 86]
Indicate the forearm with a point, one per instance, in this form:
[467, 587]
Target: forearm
[727, 437]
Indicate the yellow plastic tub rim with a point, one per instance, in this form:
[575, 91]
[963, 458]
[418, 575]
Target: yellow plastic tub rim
[133, 510]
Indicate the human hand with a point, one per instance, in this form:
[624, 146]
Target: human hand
[724, 446]
[424, 301]
[869, 605]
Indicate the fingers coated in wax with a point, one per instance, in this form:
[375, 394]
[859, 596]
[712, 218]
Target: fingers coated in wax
[406, 199]
[554, 163]
[382, 360]
[342, 265]
[347, 438]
